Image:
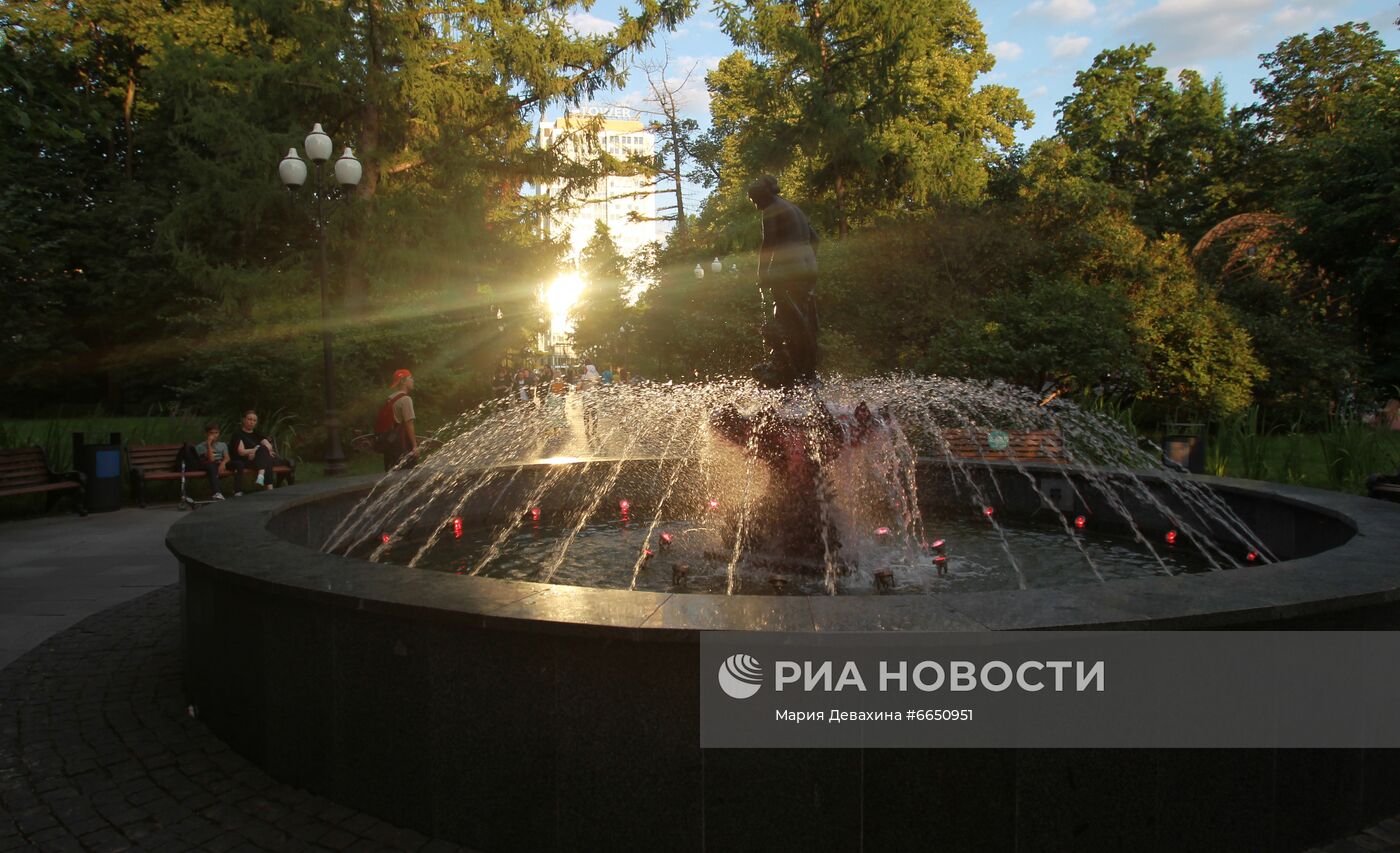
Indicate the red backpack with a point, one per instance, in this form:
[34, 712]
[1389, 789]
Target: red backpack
[386, 431]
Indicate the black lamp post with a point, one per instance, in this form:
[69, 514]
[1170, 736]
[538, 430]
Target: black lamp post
[292, 171]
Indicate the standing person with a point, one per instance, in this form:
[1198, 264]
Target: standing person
[251, 449]
[787, 269]
[213, 455]
[395, 424]
[591, 380]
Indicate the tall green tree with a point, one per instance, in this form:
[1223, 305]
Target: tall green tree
[155, 222]
[1135, 131]
[1328, 107]
[601, 313]
[868, 105]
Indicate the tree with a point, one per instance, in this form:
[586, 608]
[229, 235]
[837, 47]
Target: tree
[1311, 78]
[1132, 129]
[869, 105]
[677, 135]
[147, 218]
[601, 312]
[1328, 107]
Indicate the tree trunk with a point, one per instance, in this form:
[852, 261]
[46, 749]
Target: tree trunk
[676, 158]
[127, 108]
[815, 31]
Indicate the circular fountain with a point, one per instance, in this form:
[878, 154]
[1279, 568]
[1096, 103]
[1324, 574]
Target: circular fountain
[501, 646]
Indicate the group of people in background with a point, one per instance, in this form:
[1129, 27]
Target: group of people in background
[541, 383]
[250, 450]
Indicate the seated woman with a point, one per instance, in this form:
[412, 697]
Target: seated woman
[251, 449]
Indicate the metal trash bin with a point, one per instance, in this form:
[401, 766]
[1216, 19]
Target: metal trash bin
[101, 465]
[1185, 445]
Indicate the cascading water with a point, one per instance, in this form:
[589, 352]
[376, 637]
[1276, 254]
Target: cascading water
[731, 488]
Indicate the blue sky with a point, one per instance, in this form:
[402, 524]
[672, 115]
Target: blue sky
[1041, 44]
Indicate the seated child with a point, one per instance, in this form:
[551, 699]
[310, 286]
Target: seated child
[213, 455]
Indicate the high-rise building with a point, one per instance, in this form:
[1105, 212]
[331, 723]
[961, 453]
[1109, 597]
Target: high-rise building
[625, 203]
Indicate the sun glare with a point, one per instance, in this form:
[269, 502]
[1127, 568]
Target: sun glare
[561, 295]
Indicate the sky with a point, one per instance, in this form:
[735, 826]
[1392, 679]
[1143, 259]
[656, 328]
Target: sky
[1041, 44]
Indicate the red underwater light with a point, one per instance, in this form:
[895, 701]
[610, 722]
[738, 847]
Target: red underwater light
[666, 539]
[939, 544]
[941, 564]
[1171, 537]
[714, 504]
[987, 511]
[534, 513]
[457, 528]
[1252, 556]
[882, 531]
[1080, 521]
[384, 537]
[624, 505]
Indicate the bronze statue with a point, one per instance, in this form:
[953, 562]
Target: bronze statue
[787, 273]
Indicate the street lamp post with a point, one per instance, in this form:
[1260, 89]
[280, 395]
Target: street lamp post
[292, 171]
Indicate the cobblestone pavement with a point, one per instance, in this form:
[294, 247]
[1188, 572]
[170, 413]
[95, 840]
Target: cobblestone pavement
[98, 753]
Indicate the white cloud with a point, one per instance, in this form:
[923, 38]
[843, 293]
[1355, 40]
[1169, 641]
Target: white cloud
[1006, 51]
[1186, 31]
[590, 25]
[1062, 10]
[1038, 92]
[1067, 46]
[1302, 16]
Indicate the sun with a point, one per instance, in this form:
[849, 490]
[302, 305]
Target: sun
[560, 296]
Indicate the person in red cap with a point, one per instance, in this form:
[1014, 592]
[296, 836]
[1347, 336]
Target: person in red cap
[397, 415]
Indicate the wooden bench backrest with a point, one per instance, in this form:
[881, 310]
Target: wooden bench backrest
[1032, 445]
[153, 457]
[25, 466]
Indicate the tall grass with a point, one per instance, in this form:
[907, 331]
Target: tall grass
[1352, 450]
[1241, 447]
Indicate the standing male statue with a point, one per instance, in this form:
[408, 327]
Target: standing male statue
[787, 270]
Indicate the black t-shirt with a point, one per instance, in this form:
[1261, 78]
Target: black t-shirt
[244, 441]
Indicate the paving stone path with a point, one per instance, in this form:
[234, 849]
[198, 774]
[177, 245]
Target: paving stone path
[98, 752]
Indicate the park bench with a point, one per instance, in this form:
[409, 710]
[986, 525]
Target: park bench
[1044, 446]
[162, 462]
[1385, 487]
[26, 471]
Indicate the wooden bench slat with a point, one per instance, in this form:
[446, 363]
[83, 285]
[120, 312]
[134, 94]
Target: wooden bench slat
[42, 487]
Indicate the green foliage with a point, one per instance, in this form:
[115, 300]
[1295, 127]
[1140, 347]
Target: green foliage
[1192, 352]
[1130, 128]
[1056, 332]
[1330, 106]
[1240, 447]
[601, 314]
[1351, 451]
[862, 106]
[141, 202]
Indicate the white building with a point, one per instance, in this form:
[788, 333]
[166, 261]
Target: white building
[625, 203]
